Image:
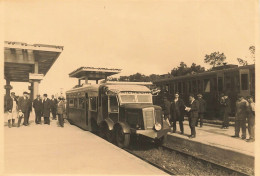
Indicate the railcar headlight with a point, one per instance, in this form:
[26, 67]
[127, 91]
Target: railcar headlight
[157, 126]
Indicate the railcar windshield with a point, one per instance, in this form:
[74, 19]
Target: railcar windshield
[135, 98]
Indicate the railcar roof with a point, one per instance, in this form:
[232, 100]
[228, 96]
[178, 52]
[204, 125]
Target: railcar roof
[112, 87]
[127, 88]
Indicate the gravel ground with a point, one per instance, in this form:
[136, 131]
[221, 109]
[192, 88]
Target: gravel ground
[173, 161]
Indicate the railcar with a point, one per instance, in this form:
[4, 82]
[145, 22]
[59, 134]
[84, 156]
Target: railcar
[228, 79]
[116, 111]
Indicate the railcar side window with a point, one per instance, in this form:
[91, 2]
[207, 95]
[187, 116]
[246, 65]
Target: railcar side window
[81, 103]
[206, 85]
[220, 84]
[244, 81]
[71, 103]
[93, 103]
[113, 104]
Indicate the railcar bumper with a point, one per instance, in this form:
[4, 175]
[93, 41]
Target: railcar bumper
[152, 133]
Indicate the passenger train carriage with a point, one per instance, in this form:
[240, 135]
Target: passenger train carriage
[229, 79]
[116, 111]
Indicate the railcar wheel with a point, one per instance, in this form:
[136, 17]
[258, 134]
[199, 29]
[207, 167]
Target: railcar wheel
[122, 139]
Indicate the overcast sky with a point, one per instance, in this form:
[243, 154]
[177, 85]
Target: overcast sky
[136, 36]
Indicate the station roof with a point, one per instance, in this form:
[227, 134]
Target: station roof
[93, 73]
[20, 59]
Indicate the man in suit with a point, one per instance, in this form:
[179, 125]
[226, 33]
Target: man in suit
[54, 103]
[225, 110]
[251, 119]
[240, 119]
[193, 114]
[202, 109]
[24, 108]
[38, 106]
[177, 112]
[46, 109]
[12, 109]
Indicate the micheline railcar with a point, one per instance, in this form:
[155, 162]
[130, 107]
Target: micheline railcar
[229, 79]
[116, 111]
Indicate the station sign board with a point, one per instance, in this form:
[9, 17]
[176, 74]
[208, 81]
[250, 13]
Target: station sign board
[35, 76]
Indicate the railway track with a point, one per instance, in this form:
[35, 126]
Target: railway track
[213, 164]
[174, 171]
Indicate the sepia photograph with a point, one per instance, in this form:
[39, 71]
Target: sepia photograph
[129, 87]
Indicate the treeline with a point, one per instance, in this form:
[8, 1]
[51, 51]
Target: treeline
[214, 59]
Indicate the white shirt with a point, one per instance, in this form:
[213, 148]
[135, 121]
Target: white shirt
[14, 105]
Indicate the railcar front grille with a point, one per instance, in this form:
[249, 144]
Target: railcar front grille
[148, 114]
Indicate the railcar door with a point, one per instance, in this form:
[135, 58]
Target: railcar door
[113, 108]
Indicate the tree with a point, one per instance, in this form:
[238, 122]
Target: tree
[242, 61]
[215, 59]
[252, 52]
[183, 69]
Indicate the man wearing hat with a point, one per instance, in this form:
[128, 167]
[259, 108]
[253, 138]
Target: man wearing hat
[24, 108]
[177, 113]
[46, 109]
[240, 119]
[202, 109]
[193, 111]
[38, 106]
[11, 105]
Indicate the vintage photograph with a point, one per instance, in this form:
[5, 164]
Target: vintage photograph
[129, 87]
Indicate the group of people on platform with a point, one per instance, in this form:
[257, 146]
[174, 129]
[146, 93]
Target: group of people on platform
[20, 108]
[174, 111]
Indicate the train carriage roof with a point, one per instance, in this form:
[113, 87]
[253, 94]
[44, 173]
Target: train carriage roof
[207, 73]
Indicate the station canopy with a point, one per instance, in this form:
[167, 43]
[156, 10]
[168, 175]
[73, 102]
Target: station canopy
[92, 73]
[20, 59]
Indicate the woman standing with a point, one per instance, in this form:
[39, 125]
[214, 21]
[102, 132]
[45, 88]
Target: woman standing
[61, 110]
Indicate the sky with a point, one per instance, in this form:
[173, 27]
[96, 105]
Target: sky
[149, 37]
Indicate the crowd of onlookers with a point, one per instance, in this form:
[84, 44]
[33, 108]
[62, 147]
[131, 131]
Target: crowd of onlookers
[19, 108]
[174, 111]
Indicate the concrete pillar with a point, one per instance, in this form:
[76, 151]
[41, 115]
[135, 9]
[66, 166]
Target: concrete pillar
[35, 83]
[8, 87]
[79, 82]
[86, 80]
[97, 81]
[35, 89]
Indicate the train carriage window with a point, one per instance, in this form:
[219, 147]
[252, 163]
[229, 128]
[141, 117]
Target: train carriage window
[113, 104]
[179, 87]
[71, 102]
[93, 103]
[75, 103]
[206, 85]
[183, 87]
[194, 86]
[199, 86]
[244, 81]
[81, 103]
[220, 84]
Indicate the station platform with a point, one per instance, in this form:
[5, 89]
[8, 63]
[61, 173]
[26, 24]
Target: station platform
[50, 149]
[216, 144]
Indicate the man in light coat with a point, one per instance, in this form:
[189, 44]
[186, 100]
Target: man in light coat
[193, 111]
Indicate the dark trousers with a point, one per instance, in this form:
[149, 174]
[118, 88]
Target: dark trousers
[26, 117]
[19, 120]
[174, 125]
[192, 123]
[38, 115]
[251, 127]
[225, 116]
[47, 120]
[61, 120]
[240, 123]
[53, 111]
[201, 117]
